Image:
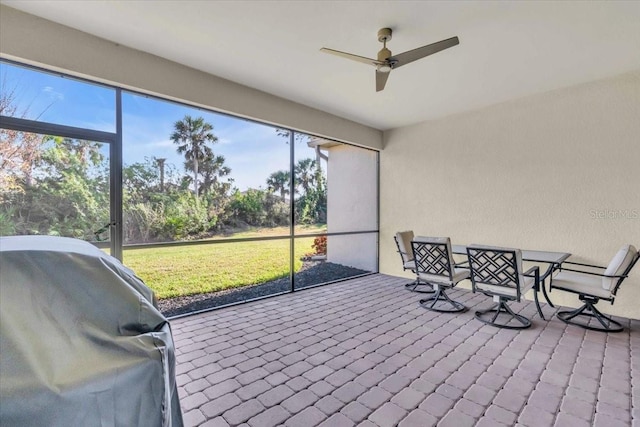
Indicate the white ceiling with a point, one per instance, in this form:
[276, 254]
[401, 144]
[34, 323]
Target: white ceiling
[507, 49]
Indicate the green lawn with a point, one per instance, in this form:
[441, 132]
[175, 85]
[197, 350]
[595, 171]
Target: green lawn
[194, 269]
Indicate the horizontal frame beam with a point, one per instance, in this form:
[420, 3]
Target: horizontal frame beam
[45, 128]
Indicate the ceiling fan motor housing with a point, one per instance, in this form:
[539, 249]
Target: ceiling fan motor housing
[384, 54]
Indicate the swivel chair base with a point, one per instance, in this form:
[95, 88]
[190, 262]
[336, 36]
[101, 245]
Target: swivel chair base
[441, 296]
[426, 288]
[589, 311]
[502, 308]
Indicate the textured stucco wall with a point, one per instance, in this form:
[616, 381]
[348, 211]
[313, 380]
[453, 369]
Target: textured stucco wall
[352, 199]
[36, 41]
[535, 173]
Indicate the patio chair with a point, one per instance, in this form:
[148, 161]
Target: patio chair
[403, 243]
[434, 264]
[497, 272]
[592, 286]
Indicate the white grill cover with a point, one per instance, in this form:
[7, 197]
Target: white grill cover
[81, 341]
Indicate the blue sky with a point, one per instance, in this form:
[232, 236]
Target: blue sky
[252, 151]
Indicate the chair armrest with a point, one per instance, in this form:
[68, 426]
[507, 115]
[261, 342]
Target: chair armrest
[464, 264]
[594, 274]
[584, 265]
[533, 272]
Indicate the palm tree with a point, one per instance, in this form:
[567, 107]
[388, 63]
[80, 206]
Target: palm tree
[213, 168]
[279, 181]
[304, 173]
[192, 136]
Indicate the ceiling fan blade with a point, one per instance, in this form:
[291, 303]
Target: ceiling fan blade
[351, 56]
[421, 52]
[381, 80]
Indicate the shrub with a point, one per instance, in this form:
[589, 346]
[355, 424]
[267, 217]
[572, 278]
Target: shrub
[320, 245]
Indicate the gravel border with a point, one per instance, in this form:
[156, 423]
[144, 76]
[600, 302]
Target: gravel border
[311, 273]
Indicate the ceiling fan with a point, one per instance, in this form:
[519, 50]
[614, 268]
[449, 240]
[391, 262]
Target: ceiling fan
[387, 62]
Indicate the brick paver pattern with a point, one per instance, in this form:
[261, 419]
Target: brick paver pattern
[364, 353]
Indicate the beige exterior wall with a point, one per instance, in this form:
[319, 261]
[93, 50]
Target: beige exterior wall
[36, 41]
[535, 173]
[352, 198]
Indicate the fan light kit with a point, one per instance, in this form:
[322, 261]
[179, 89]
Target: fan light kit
[387, 62]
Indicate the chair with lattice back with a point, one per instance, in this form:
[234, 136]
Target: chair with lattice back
[498, 273]
[593, 283]
[434, 264]
[403, 243]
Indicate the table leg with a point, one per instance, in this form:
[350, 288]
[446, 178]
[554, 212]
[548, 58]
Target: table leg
[543, 280]
[536, 289]
[544, 292]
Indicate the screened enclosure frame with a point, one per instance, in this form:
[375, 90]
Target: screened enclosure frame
[116, 242]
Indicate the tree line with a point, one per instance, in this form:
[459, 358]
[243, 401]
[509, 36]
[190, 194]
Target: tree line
[59, 186]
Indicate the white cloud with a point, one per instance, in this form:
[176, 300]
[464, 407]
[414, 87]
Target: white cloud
[53, 94]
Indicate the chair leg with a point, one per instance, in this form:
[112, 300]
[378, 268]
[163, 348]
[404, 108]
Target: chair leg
[441, 296]
[589, 311]
[413, 287]
[498, 308]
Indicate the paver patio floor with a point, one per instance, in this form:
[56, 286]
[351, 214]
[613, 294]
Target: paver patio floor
[364, 353]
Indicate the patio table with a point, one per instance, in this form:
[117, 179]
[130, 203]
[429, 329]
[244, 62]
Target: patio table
[553, 259]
